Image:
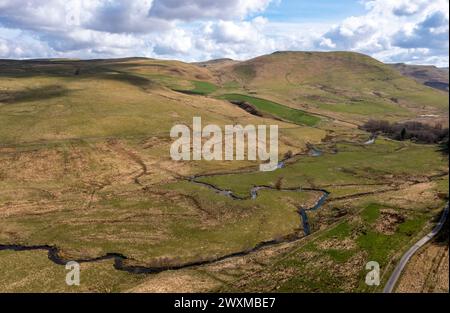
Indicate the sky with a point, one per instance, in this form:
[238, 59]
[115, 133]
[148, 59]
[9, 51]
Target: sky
[392, 31]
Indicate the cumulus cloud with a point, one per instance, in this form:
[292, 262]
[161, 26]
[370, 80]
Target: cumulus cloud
[146, 27]
[406, 9]
[353, 33]
[23, 46]
[197, 9]
[126, 17]
[176, 42]
[393, 31]
[111, 16]
[231, 32]
[431, 32]
[51, 15]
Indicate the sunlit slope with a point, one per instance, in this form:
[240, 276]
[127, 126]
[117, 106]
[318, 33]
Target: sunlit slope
[61, 100]
[51, 103]
[342, 84]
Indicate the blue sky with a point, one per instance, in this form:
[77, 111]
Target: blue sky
[313, 11]
[393, 31]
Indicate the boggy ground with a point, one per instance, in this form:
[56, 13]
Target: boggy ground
[175, 221]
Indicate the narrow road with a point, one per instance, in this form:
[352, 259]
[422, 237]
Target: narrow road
[407, 256]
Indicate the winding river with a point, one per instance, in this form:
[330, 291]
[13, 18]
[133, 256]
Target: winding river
[119, 259]
[254, 195]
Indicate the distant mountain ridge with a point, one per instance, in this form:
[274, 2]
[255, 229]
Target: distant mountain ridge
[428, 75]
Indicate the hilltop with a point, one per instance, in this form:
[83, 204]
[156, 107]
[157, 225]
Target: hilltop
[347, 85]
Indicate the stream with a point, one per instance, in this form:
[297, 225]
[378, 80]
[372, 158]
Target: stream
[119, 259]
[254, 195]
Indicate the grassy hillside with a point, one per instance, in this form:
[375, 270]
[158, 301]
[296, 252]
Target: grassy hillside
[339, 84]
[60, 100]
[430, 76]
[85, 167]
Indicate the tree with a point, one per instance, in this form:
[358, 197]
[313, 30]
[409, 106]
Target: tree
[403, 134]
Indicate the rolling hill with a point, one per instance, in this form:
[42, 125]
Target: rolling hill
[346, 85]
[86, 174]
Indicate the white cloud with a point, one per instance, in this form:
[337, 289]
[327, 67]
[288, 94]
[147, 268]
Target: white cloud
[394, 31]
[126, 17]
[176, 42]
[352, 34]
[431, 32]
[23, 47]
[236, 32]
[211, 9]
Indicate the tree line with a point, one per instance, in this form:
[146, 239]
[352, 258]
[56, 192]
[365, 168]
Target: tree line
[414, 131]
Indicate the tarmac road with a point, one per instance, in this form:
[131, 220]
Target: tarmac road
[407, 256]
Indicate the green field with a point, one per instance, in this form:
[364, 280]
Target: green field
[275, 109]
[358, 165]
[200, 88]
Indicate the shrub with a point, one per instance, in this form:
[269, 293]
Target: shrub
[415, 131]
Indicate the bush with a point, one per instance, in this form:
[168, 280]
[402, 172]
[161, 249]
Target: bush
[279, 183]
[415, 131]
